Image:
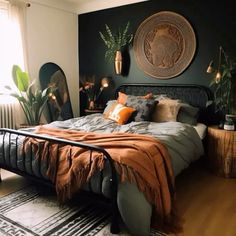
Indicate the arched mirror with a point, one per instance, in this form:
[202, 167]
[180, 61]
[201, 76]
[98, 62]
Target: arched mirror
[59, 105]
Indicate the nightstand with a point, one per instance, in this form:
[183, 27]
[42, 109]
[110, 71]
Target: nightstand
[93, 111]
[221, 151]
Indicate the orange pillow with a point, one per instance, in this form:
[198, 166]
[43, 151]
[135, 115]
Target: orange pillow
[120, 113]
[122, 97]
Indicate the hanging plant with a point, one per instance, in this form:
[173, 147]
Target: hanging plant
[115, 41]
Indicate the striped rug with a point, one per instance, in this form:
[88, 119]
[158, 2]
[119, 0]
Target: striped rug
[34, 211]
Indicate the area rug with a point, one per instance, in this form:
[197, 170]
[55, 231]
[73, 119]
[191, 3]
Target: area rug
[35, 211]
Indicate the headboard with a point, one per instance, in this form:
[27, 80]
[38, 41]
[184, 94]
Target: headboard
[195, 95]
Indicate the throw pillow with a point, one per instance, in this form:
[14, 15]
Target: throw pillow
[108, 107]
[122, 97]
[120, 113]
[144, 107]
[166, 110]
[188, 114]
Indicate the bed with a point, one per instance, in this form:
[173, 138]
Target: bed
[183, 141]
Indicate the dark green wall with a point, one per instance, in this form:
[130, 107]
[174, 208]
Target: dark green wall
[213, 22]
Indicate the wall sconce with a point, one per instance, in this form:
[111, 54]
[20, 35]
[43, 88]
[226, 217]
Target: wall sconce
[210, 68]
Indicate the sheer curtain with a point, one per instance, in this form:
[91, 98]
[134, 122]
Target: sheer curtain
[12, 49]
[12, 40]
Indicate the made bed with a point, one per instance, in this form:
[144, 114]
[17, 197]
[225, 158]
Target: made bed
[177, 136]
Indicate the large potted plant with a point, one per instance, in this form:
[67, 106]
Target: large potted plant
[115, 43]
[32, 101]
[224, 86]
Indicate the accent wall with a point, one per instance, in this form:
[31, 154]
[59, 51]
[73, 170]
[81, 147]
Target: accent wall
[213, 24]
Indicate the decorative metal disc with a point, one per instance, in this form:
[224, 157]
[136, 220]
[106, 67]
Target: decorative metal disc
[164, 45]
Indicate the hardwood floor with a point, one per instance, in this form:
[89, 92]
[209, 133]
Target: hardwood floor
[206, 202]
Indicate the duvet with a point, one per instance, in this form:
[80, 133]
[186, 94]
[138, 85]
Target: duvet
[181, 140]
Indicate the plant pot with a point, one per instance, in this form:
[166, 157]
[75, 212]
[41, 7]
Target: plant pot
[118, 62]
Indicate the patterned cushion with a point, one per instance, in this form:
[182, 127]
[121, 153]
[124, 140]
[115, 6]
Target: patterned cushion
[143, 107]
[120, 113]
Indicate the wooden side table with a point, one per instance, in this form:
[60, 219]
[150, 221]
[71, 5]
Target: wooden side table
[93, 111]
[222, 151]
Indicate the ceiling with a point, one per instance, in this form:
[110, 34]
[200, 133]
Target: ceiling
[84, 6]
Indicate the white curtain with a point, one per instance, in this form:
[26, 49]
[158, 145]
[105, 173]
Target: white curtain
[12, 43]
[13, 39]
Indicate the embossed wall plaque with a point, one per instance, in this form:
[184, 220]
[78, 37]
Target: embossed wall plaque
[164, 45]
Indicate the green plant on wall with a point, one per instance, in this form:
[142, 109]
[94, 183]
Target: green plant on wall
[115, 41]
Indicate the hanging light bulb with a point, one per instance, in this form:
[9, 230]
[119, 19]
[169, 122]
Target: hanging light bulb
[218, 77]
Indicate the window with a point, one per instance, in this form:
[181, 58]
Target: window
[11, 49]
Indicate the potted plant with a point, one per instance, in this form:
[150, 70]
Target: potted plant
[115, 42]
[32, 101]
[224, 86]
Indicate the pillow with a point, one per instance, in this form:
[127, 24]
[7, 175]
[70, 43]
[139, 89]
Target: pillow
[108, 107]
[166, 110]
[188, 114]
[159, 97]
[144, 107]
[120, 113]
[122, 97]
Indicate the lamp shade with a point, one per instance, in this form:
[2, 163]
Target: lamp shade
[210, 68]
[218, 77]
[105, 82]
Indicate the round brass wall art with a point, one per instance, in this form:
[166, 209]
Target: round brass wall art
[164, 45]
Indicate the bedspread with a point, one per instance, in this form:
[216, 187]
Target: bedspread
[139, 159]
[181, 140]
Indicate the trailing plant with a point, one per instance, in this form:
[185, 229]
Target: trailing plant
[115, 41]
[32, 101]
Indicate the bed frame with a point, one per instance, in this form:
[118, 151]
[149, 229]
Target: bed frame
[193, 94]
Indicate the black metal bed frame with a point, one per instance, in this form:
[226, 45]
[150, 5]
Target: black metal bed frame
[114, 228]
[195, 95]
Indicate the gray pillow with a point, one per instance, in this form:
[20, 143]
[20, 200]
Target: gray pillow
[143, 107]
[108, 106]
[188, 114]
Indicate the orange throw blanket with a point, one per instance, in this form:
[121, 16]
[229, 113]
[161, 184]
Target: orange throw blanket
[140, 159]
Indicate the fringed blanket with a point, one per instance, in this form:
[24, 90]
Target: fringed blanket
[140, 159]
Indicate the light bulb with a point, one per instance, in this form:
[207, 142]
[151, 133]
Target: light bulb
[218, 77]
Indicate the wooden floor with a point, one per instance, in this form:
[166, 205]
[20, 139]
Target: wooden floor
[207, 202]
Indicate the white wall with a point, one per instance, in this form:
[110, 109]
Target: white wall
[52, 36]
